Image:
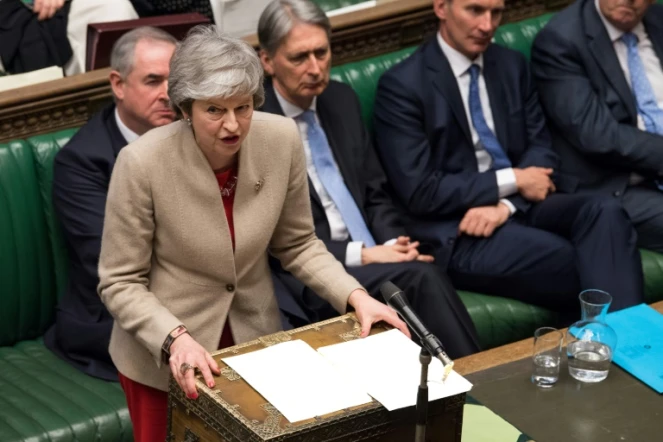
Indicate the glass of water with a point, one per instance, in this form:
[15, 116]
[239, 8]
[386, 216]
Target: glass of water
[548, 344]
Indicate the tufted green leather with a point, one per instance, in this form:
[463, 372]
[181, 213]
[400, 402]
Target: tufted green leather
[520, 35]
[45, 399]
[330, 5]
[26, 266]
[363, 77]
[500, 320]
[44, 148]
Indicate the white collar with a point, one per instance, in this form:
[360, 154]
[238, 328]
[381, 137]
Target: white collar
[127, 133]
[459, 62]
[614, 33]
[292, 110]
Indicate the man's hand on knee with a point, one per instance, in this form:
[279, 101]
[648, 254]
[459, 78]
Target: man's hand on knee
[483, 221]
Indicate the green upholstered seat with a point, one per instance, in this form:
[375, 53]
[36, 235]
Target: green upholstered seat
[43, 398]
[330, 5]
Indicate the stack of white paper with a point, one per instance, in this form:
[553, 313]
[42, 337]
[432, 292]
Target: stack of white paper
[297, 380]
[387, 366]
[302, 383]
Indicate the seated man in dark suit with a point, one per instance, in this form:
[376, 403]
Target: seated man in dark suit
[82, 170]
[598, 67]
[464, 144]
[352, 213]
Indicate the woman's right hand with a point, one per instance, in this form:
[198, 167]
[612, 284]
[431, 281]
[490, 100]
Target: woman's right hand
[185, 350]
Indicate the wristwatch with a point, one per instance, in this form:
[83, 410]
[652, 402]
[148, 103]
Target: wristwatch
[165, 348]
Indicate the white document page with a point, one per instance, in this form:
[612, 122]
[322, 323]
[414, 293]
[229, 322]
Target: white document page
[297, 380]
[387, 366]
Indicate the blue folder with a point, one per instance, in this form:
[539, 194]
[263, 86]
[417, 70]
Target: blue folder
[639, 343]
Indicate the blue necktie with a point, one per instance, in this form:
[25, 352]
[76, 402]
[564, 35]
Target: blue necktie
[332, 180]
[645, 99]
[486, 136]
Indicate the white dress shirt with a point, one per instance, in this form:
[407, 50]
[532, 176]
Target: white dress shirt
[649, 59]
[127, 133]
[337, 227]
[460, 65]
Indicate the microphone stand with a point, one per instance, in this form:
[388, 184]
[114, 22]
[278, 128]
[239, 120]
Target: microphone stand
[422, 397]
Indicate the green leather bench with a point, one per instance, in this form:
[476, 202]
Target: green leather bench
[44, 399]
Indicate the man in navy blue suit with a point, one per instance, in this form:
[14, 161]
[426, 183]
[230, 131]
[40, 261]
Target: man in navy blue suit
[81, 173]
[598, 67]
[464, 143]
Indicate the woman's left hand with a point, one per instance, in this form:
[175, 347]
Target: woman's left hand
[369, 311]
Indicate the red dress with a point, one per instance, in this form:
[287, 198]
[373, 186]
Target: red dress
[148, 407]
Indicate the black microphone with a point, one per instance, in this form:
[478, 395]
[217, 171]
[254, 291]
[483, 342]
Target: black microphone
[396, 299]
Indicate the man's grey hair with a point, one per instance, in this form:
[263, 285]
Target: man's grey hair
[207, 64]
[280, 16]
[122, 55]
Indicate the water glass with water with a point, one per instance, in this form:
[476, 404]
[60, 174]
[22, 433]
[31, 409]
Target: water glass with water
[546, 357]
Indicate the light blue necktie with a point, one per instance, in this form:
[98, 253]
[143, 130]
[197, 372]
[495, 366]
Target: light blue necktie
[486, 136]
[332, 180]
[645, 99]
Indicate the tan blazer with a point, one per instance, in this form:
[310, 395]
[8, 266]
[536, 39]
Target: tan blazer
[166, 253]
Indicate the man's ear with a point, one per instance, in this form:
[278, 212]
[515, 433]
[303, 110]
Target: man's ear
[267, 63]
[440, 8]
[116, 82]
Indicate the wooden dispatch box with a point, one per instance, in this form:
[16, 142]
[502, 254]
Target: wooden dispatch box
[233, 411]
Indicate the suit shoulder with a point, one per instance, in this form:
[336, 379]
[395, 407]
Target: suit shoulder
[268, 118]
[155, 140]
[564, 24]
[337, 87]
[506, 55]
[91, 141]
[657, 10]
[273, 124]
[400, 75]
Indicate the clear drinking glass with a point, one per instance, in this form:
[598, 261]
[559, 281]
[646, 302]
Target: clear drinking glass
[547, 353]
[590, 342]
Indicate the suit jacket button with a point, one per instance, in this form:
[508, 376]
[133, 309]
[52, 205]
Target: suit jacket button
[616, 193]
[230, 288]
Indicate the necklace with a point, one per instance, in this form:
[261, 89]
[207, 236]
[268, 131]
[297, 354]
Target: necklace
[229, 187]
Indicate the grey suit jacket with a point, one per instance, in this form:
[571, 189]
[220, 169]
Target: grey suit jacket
[166, 255]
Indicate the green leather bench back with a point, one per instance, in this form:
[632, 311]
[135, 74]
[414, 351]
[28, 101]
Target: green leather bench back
[32, 259]
[330, 5]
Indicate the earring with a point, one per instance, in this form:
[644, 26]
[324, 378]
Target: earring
[188, 121]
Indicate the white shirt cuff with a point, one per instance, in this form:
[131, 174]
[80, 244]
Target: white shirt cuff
[506, 182]
[353, 253]
[391, 242]
[510, 205]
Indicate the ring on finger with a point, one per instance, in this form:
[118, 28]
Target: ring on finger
[185, 367]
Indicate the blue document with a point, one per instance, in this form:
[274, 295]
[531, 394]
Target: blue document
[640, 343]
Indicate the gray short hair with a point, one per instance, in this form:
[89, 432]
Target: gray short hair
[122, 55]
[280, 16]
[207, 64]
